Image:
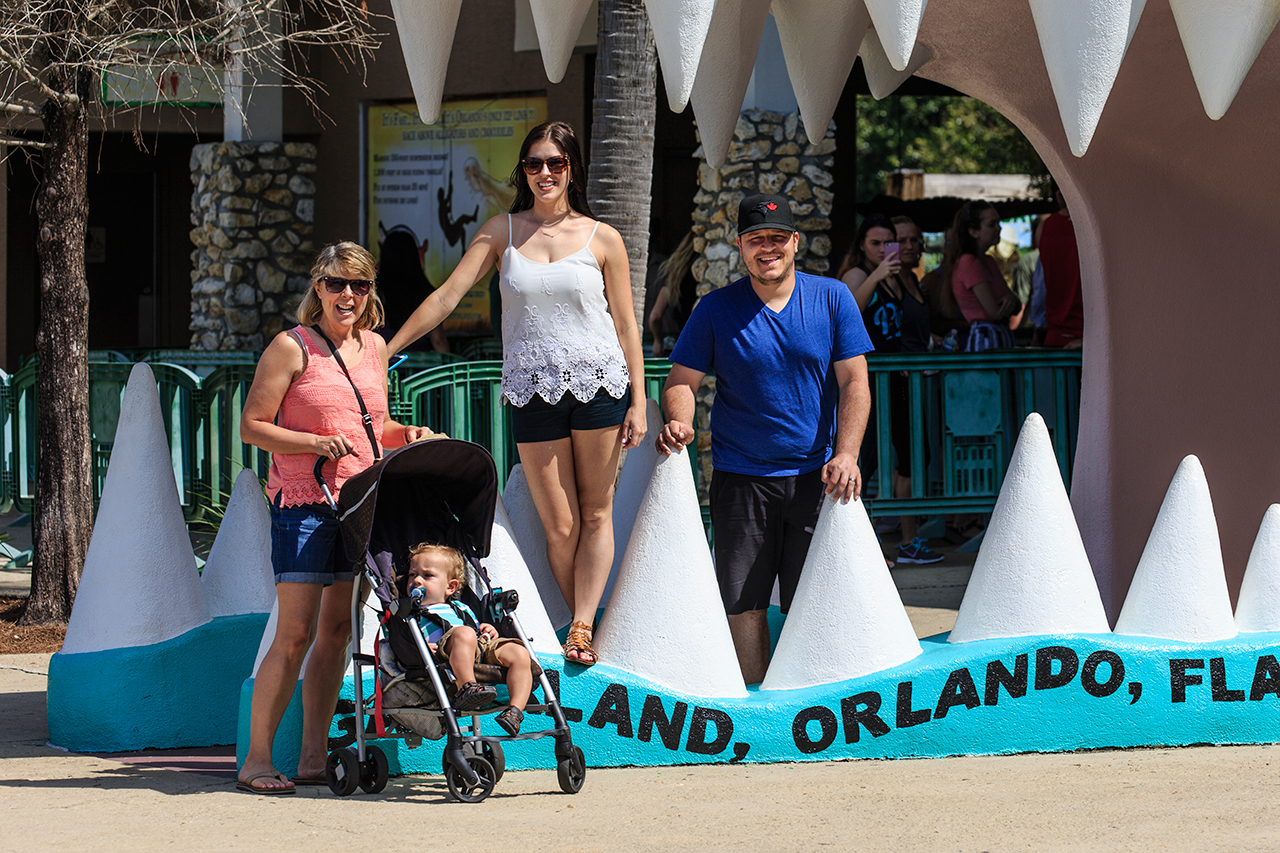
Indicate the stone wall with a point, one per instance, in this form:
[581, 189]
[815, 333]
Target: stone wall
[252, 212]
[770, 153]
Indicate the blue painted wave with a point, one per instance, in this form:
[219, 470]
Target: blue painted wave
[182, 692]
[1027, 694]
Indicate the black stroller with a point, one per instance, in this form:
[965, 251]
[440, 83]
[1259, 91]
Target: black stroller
[444, 491]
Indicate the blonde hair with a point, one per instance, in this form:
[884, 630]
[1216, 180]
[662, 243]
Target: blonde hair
[342, 257]
[673, 270]
[457, 567]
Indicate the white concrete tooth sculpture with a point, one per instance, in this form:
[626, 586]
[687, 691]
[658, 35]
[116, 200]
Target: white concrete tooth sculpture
[666, 622]
[1032, 575]
[897, 23]
[1222, 39]
[1179, 590]
[532, 541]
[637, 470]
[679, 30]
[426, 38]
[728, 57]
[508, 570]
[238, 576]
[370, 625]
[1258, 607]
[1083, 42]
[846, 605]
[269, 636]
[882, 78]
[139, 585]
[558, 23]
[820, 41]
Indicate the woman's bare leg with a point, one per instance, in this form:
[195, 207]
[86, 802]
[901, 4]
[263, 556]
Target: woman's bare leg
[277, 677]
[323, 679]
[548, 468]
[595, 456]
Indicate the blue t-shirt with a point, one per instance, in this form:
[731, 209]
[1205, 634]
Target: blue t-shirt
[776, 391]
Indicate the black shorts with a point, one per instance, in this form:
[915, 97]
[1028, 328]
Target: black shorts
[538, 420]
[763, 527]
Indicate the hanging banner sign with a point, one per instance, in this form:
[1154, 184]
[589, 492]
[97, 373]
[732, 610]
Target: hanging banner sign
[166, 72]
[438, 183]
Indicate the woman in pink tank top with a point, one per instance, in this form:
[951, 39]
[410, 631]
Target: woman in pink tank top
[573, 369]
[301, 406]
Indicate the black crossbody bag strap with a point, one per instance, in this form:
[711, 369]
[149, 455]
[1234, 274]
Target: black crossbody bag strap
[364, 413]
[465, 616]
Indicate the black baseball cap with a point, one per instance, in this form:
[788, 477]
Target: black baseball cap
[764, 211]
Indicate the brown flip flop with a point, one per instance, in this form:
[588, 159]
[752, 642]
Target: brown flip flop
[248, 787]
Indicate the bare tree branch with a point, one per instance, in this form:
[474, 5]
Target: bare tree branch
[21, 109]
[19, 142]
[61, 98]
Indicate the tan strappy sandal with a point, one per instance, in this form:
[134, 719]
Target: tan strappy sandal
[579, 640]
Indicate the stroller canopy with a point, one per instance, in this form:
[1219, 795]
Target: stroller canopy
[430, 490]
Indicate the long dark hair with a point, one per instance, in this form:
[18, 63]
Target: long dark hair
[960, 243]
[969, 216]
[562, 136]
[855, 257]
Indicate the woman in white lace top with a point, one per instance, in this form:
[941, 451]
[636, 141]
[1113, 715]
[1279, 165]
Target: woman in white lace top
[572, 364]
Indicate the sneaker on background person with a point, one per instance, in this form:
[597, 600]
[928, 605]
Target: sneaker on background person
[916, 551]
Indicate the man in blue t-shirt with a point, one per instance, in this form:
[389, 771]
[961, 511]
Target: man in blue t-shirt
[791, 405]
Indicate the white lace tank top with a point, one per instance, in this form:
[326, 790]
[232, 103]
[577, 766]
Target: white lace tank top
[557, 333]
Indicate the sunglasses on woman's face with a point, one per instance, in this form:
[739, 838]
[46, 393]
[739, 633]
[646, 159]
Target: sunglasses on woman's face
[555, 165]
[359, 286]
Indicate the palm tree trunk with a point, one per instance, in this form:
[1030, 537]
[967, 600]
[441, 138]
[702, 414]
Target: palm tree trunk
[621, 175]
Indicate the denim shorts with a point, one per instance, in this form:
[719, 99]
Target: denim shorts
[538, 420]
[306, 545]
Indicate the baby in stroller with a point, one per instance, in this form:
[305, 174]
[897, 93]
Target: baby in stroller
[436, 574]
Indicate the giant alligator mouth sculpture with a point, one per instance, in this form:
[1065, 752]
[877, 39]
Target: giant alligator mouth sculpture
[155, 657]
[1128, 104]
[1156, 120]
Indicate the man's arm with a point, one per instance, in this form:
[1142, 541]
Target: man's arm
[678, 402]
[841, 474]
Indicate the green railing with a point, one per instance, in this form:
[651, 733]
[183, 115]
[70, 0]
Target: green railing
[965, 409]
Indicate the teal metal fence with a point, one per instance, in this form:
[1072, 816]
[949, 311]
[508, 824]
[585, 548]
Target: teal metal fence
[965, 412]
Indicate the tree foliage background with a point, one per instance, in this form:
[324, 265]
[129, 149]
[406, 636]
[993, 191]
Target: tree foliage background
[952, 135]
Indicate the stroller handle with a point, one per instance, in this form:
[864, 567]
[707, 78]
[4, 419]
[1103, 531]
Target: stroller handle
[324, 487]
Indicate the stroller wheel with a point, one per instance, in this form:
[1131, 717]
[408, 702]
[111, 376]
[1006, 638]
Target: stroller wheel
[572, 772]
[374, 772]
[343, 771]
[491, 752]
[471, 793]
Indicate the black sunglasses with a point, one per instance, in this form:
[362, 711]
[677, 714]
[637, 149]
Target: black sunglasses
[359, 286]
[555, 165]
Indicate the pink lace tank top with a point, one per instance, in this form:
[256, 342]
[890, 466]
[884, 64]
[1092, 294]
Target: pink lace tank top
[321, 401]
